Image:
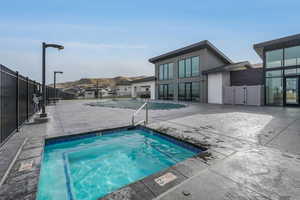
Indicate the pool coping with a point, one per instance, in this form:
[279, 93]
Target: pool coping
[146, 188]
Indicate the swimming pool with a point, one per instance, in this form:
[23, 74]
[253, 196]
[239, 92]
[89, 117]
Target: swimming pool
[93, 165]
[135, 104]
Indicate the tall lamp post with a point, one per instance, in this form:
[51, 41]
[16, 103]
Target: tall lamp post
[56, 72]
[45, 46]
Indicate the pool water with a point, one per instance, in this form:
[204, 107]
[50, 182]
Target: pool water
[135, 104]
[92, 167]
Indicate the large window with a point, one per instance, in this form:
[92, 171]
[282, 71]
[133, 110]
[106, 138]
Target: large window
[195, 66]
[189, 91]
[166, 71]
[274, 58]
[161, 72]
[166, 91]
[274, 73]
[292, 56]
[171, 72]
[181, 69]
[274, 95]
[188, 67]
[274, 87]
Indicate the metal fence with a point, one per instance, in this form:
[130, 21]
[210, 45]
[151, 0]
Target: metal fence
[16, 104]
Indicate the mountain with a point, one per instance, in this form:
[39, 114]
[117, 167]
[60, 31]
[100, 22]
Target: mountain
[91, 82]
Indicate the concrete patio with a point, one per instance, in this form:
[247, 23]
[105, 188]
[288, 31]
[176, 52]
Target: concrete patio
[254, 152]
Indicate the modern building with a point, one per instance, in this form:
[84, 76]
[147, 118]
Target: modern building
[199, 72]
[143, 88]
[281, 70]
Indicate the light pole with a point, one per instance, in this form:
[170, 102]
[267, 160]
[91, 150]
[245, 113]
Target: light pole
[55, 72]
[59, 47]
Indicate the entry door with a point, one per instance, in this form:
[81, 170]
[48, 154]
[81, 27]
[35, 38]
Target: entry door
[292, 90]
[188, 91]
[166, 91]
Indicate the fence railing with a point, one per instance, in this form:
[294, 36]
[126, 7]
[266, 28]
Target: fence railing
[16, 104]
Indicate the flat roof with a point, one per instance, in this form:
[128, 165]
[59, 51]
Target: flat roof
[194, 47]
[277, 43]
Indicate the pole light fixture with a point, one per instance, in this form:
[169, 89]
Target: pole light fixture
[44, 47]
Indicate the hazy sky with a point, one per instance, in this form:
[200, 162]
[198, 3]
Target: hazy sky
[112, 38]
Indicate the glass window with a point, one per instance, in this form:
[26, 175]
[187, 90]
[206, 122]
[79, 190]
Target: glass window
[274, 73]
[166, 72]
[166, 91]
[292, 56]
[181, 69]
[274, 58]
[181, 91]
[291, 71]
[161, 72]
[161, 91]
[188, 91]
[170, 91]
[171, 70]
[274, 91]
[188, 67]
[195, 91]
[195, 66]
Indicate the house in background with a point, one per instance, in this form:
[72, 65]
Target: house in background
[281, 70]
[199, 72]
[89, 93]
[143, 88]
[123, 88]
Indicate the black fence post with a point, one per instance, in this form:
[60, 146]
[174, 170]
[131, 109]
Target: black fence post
[17, 101]
[27, 99]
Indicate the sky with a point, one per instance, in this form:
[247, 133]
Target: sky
[116, 38]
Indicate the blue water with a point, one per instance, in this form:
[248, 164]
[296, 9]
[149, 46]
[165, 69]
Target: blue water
[90, 168]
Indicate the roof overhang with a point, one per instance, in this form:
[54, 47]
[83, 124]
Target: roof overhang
[229, 68]
[292, 40]
[142, 80]
[194, 47]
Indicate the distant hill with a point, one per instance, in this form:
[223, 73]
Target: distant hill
[91, 82]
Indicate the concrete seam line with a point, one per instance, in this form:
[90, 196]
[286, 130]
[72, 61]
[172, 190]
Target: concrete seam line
[12, 162]
[277, 135]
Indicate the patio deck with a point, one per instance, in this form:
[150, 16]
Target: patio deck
[254, 151]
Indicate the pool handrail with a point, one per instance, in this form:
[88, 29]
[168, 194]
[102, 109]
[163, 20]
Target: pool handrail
[145, 105]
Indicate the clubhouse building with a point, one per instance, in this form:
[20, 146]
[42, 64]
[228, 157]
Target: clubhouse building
[202, 73]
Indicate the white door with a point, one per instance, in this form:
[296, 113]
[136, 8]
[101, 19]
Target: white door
[215, 88]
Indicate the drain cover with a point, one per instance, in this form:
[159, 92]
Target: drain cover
[166, 178]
